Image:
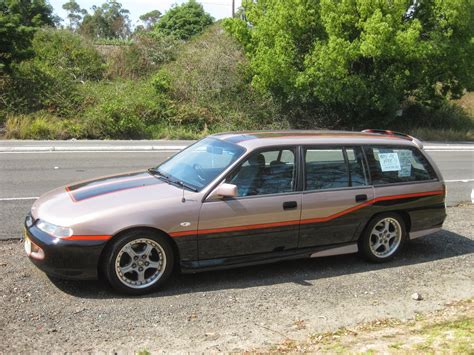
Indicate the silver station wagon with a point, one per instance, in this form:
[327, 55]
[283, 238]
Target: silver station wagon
[237, 199]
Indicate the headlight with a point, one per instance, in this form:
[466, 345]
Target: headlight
[54, 230]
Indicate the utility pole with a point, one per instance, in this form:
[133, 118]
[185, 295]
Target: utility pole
[233, 8]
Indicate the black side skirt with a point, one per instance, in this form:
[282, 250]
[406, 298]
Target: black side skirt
[254, 259]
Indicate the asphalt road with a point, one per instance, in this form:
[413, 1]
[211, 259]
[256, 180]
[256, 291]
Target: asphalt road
[34, 169]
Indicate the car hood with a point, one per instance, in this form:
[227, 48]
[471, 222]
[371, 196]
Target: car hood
[87, 200]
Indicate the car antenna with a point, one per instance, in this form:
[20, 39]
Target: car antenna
[183, 200]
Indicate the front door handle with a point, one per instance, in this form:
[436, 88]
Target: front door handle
[360, 198]
[289, 205]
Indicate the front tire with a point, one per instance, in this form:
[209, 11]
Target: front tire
[383, 238]
[138, 262]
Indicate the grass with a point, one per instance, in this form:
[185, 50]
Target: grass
[451, 336]
[450, 330]
[447, 135]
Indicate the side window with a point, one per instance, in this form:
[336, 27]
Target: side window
[397, 164]
[326, 168]
[264, 173]
[355, 159]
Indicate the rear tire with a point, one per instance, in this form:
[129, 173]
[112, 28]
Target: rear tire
[138, 262]
[383, 238]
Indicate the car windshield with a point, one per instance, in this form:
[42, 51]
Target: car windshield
[199, 164]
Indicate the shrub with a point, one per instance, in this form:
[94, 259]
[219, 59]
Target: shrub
[209, 82]
[31, 88]
[142, 56]
[184, 21]
[123, 109]
[66, 52]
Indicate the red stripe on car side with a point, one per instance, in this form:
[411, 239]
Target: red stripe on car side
[88, 237]
[305, 221]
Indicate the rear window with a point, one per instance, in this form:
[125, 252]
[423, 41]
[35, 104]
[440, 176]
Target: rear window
[390, 165]
[334, 167]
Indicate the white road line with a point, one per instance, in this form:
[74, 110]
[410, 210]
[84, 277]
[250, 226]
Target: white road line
[449, 150]
[94, 151]
[107, 148]
[17, 198]
[450, 147]
[460, 180]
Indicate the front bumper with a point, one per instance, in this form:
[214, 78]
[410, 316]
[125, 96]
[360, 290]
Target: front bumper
[66, 259]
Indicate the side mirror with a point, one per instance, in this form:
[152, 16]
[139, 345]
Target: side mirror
[225, 190]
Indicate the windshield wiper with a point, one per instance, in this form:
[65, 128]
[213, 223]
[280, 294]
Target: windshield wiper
[183, 184]
[168, 179]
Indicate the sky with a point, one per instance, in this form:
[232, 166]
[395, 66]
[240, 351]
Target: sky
[217, 8]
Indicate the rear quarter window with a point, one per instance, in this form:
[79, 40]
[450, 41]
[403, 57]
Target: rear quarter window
[388, 165]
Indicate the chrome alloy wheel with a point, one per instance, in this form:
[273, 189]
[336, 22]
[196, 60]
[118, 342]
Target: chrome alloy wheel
[140, 263]
[385, 237]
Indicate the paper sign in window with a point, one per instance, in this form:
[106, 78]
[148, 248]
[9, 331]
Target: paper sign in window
[405, 158]
[389, 162]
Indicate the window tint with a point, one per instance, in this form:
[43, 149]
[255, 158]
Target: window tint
[397, 164]
[355, 159]
[265, 173]
[326, 168]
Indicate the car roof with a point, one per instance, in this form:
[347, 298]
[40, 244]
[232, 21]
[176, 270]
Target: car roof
[259, 139]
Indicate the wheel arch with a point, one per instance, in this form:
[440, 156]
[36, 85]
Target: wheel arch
[173, 244]
[404, 214]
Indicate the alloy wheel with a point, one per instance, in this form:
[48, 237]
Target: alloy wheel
[385, 237]
[140, 263]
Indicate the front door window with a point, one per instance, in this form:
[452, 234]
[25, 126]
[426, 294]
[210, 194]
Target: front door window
[264, 173]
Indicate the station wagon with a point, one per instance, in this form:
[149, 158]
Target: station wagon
[238, 199]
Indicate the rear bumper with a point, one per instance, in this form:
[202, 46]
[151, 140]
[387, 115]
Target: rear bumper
[66, 259]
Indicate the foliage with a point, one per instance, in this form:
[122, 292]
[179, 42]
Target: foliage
[75, 14]
[150, 18]
[142, 56]
[357, 59]
[184, 21]
[123, 109]
[209, 81]
[19, 19]
[109, 20]
[49, 80]
[61, 50]
[30, 88]
[41, 126]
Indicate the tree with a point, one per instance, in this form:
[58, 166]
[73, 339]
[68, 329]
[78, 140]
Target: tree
[184, 21]
[109, 20]
[357, 59]
[19, 19]
[150, 18]
[75, 14]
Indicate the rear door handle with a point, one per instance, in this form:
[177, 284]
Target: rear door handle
[288, 205]
[360, 198]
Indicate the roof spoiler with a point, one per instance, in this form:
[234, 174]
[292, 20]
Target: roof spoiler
[397, 134]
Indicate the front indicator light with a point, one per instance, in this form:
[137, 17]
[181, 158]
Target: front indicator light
[54, 230]
[32, 250]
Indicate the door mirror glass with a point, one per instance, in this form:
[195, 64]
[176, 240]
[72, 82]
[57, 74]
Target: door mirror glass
[225, 190]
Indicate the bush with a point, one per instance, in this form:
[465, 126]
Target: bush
[31, 88]
[68, 53]
[143, 56]
[184, 21]
[209, 82]
[123, 109]
[49, 80]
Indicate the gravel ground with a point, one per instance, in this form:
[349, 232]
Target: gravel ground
[238, 309]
